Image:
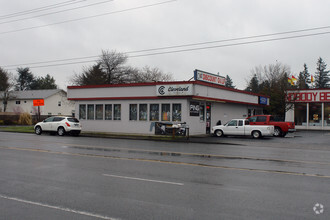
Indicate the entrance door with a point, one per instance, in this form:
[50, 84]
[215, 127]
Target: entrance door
[208, 118]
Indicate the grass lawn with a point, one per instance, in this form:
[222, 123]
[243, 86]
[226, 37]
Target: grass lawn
[23, 129]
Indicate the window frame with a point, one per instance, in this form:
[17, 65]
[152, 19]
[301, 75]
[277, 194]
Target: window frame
[96, 112]
[143, 116]
[168, 116]
[154, 113]
[133, 116]
[116, 115]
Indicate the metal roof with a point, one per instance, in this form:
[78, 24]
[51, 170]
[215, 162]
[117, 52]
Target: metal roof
[34, 94]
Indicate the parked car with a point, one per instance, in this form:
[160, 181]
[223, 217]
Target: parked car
[60, 125]
[242, 127]
[281, 128]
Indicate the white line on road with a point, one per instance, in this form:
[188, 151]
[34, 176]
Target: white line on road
[148, 180]
[57, 207]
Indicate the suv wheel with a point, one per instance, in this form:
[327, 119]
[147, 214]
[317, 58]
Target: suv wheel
[60, 131]
[38, 130]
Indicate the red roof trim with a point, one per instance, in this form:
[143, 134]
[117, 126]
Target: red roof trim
[130, 84]
[130, 98]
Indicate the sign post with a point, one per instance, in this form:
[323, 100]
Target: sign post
[38, 102]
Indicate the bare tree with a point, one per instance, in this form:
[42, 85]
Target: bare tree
[111, 69]
[112, 63]
[272, 81]
[148, 74]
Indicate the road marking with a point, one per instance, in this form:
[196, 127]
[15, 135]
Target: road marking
[57, 207]
[148, 180]
[165, 162]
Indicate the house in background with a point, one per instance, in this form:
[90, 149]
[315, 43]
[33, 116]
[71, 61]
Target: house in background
[55, 102]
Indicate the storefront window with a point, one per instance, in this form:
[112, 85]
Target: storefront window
[90, 112]
[300, 114]
[108, 112]
[154, 112]
[201, 113]
[315, 114]
[176, 112]
[116, 112]
[166, 112]
[99, 112]
[82, 111]
[326, 114]
[133, 112]
[143, 112]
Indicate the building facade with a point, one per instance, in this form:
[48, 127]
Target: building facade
[309, 109]
[134, 108]
[55, 102]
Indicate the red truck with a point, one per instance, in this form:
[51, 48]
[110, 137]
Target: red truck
[281, 128]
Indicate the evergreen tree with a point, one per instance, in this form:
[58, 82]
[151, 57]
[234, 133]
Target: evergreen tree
[4, 79]
[253, 85]
[25, 79]
[47, 82]
[322, 77]
[229, 82]
[304, 78]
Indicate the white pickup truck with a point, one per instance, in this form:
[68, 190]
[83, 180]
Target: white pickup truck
[242, 127]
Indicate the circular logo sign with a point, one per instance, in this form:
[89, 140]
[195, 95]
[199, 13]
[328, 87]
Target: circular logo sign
[318, 208]
[161, 90]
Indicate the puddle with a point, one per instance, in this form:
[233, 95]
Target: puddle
[183, 155]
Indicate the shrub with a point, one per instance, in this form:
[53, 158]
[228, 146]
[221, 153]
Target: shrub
[8, 122]
[25, 119]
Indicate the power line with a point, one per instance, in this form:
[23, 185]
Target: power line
[57, 12]
[89, 17]
[192, 49]
[183, 45]
[44, 8]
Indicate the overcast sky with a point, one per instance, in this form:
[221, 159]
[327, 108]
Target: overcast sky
[135, 25]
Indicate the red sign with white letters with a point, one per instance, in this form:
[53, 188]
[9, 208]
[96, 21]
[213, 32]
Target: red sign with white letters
[308, 96]
[38, 102]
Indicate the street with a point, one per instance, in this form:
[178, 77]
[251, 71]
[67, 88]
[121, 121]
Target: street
[52, 177]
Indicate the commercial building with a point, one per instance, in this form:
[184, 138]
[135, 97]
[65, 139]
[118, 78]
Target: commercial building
[134, 108]
[309, 109]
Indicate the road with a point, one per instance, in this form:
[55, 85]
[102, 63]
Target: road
[52, 177]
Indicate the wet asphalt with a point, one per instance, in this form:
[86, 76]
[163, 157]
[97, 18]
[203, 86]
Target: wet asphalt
[52, 177]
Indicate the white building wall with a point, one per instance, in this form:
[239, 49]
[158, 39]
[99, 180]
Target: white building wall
[125, 125]
[50, 107]
[227, 111]
[211, 92]
[113, 92]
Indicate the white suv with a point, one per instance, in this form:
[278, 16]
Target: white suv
[59, 124]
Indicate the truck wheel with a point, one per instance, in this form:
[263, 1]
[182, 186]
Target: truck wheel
[277, 132]
[218, 133]
[256, 134]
